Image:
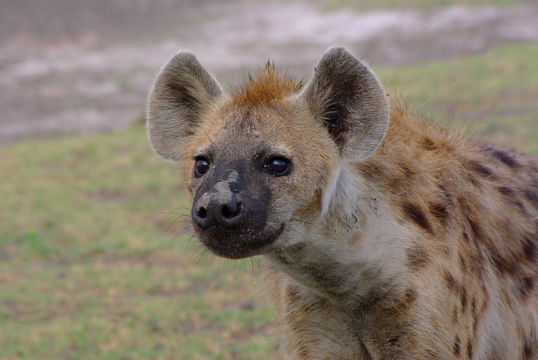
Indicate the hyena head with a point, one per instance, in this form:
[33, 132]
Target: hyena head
[264, 158]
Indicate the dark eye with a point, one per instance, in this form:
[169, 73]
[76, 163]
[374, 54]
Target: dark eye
[278, 166]
[201, 166]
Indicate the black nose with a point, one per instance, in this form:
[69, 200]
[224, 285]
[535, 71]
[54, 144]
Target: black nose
[227, 214]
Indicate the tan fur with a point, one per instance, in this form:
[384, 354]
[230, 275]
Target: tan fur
[420, 245]
[469, 279]
[267, 86]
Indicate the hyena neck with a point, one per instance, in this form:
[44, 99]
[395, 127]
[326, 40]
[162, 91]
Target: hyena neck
[354, 254]
[356, 251]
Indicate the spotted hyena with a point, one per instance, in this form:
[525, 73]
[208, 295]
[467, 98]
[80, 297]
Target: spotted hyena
[385, 237]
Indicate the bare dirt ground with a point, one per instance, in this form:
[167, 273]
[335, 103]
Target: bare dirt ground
[69, 67]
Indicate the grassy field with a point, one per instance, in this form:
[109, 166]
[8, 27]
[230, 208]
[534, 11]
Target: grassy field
[94, 259]
[494, 95]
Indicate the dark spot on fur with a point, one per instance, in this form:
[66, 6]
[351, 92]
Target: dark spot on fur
[397, 184]
[428, 144]
[401, 181]
[470, 213]
[476, 263]
[292, 293]
[477, 231]
[440, 212]
[466, 237]
[507, 158]
[480, 169]
[410, 296]
[407, 171]
[417, 257]
[504, 265]
[463, 298]
[480, 238]
[532, 195]
[456, 346]
[506, 191]
[526, 286]
[529, 249]
[510, 195]
[527, 351]
[451, 283]
[372, 171]
[417, 215]
[446, 194]
[469, 349]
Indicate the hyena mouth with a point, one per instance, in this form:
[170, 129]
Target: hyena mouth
[240, 244]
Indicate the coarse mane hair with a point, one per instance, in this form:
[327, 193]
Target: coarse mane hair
[267, 85]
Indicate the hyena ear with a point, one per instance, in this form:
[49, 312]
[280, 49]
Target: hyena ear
[182, 92]
[347, 97]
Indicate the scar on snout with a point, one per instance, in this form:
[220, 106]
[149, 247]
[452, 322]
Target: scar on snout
[222, 194]
[231, 176]
[223, 191]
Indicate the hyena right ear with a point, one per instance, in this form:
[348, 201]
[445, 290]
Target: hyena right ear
[181, 93]
[350, 102]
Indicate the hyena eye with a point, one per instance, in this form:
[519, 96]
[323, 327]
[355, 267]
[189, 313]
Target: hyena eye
[278, 166]
[201, 166]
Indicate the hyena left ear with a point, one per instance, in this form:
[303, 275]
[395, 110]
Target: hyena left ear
[347, 97]
[182, 92]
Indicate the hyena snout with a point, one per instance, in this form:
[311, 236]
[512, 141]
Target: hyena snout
[231, 219]
[218, 209]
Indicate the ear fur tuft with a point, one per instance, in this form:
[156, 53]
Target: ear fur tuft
[347, 98]
[182, 91]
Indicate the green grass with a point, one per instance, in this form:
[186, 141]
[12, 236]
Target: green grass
[95, 262]
[494, 95]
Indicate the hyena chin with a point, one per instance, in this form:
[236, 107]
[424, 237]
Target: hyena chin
[385, 237]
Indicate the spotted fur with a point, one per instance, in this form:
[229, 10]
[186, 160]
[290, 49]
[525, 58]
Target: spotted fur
[401, 240]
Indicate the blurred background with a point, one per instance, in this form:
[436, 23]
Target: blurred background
[95, 259]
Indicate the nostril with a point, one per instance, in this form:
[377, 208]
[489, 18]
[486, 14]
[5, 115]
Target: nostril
[202, 213]
[231, 209]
